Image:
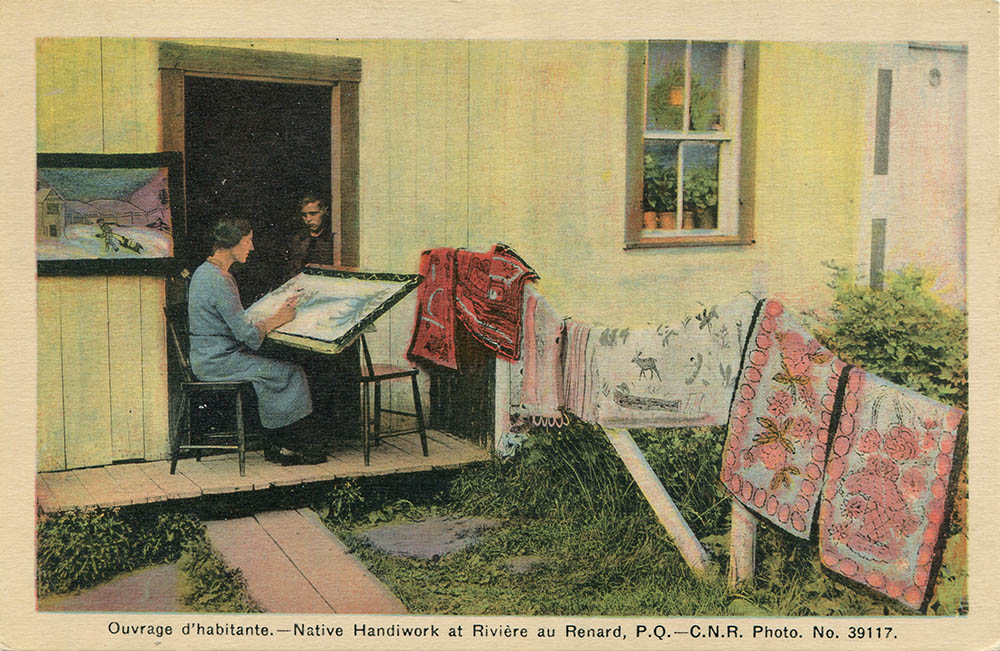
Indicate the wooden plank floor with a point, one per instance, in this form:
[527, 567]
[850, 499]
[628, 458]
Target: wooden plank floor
[152, 482]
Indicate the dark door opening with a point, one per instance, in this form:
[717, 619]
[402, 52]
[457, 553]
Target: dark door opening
[252, 149]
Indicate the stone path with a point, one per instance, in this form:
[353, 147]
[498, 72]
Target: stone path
[429, 539]
[293, 564]
[151, 590]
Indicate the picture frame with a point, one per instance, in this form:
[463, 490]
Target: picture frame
[109, 214]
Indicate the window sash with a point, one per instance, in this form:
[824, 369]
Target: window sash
[728, 227]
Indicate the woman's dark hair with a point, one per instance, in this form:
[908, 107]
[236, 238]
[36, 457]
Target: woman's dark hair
[228, 232]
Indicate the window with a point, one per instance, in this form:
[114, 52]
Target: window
[51, 208]
[53, 231]
[686, 121]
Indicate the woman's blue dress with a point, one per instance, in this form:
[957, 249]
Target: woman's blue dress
[221, 340]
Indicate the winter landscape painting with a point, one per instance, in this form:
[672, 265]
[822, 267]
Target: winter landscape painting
[104, 209]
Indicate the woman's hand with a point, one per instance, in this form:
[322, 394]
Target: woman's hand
[284, 314]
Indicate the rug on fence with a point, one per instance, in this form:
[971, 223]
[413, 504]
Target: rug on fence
[542, 379]
[433, 336]
[676, 375]
[775, 452]
[489, 296]
[576, 397]
[883, 507]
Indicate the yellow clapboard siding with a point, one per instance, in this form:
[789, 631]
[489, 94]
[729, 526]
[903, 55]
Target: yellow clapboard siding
[76, 96]
[45, 97]
[156, 432]
[146, 96]
[326, 47]
[375, 154]
[487, 110]
[405, 159]
[126, 362]
[399, 224]
[456, 179]
[516, 146]
[86, 370]
[118, 83]
[430, 197]
[51, 432]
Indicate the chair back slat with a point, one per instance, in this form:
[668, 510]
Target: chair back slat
[178, 333]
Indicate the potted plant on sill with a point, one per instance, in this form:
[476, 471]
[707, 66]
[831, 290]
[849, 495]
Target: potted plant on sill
[701, 198]
[654, 200]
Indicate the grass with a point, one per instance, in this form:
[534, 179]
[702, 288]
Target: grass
[81, 549]
[568, 500]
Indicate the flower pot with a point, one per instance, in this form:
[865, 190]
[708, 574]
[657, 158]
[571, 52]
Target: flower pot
[688, 220]
[649, 220]
[706, 219]
[667, 221]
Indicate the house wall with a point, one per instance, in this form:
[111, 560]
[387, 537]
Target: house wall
[462, 144]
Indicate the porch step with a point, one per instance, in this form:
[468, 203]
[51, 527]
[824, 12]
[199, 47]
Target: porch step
[293, 564]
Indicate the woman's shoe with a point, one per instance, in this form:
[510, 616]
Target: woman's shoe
[282, 456]
[302, 457]
[312, 458]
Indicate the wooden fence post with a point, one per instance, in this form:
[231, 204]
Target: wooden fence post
[742, 545]
[666, 511]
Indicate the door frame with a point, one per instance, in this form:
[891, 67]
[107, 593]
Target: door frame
[341, 74]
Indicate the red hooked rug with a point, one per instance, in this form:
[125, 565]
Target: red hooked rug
[489, 297]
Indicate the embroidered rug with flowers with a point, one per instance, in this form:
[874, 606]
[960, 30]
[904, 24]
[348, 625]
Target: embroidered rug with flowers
[883, 508]
[774, 457]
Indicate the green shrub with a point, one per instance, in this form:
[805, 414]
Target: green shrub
[79, 549]
[903, 333]
[208, 585]
[568, 472]
[342, 502]
[687, 462]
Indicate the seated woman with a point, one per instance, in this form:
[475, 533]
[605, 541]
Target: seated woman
[222, 339]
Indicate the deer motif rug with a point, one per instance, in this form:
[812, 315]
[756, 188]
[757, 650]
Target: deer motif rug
[674, 375]
[781, 414]
[883, 507]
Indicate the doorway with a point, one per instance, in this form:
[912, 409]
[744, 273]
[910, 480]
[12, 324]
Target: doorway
[253, 148]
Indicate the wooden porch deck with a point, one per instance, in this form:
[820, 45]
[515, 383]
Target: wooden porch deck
[141, 483]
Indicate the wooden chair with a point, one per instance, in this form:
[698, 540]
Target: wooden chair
[372, 410]
[221, 395]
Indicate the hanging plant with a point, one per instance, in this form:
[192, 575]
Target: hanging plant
[666, 102]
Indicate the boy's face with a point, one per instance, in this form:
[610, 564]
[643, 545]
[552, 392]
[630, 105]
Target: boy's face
[312, 215]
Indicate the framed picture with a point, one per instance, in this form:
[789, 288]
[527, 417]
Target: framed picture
[108, 213]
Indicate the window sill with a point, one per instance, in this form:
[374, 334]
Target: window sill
[688, 240]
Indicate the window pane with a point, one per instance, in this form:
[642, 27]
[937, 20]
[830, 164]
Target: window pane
[701, 184]
[707, 60]
[665, 85]
[659, 183]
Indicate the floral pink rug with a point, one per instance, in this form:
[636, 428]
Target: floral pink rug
[883, 505]
[774, 456]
